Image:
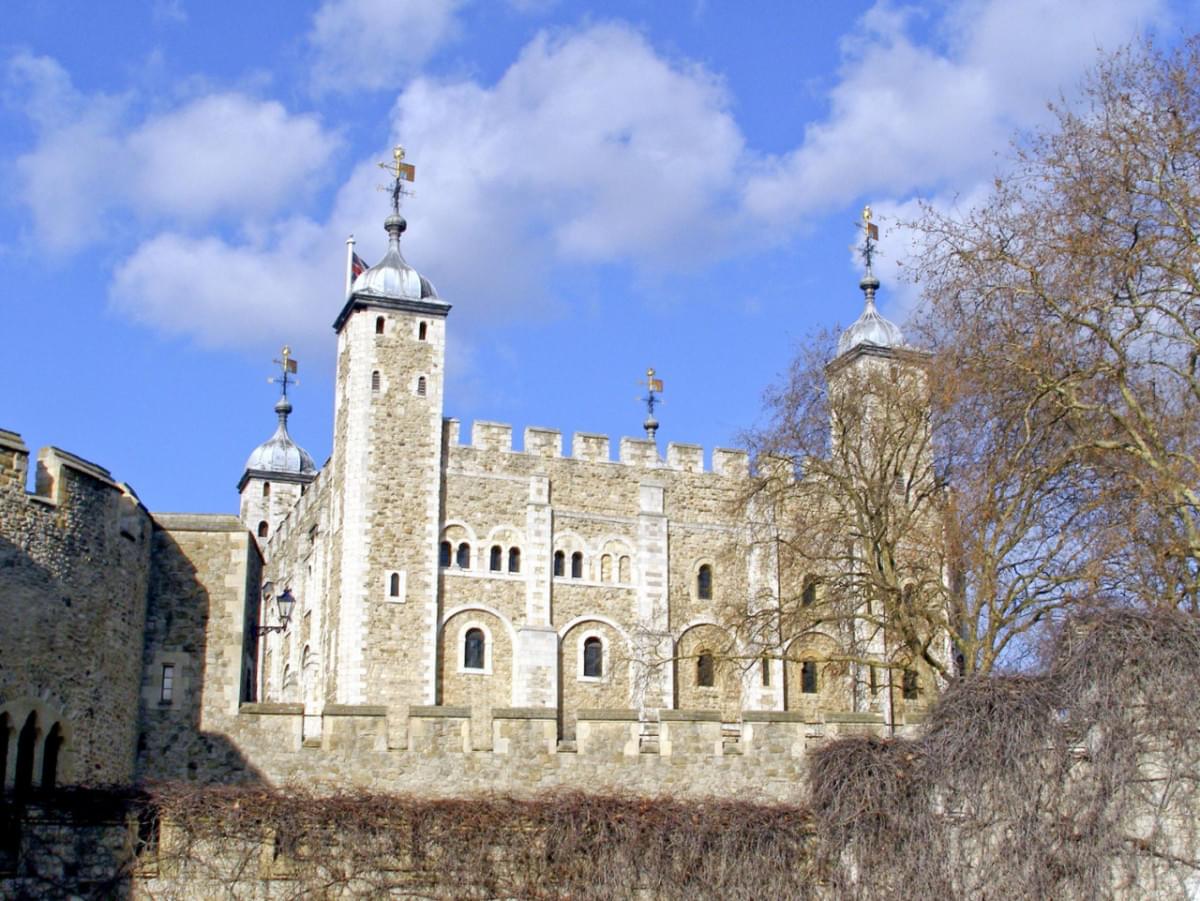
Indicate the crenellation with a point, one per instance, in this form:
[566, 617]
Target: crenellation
[731, 463]
[685, 457]
[590, 448]
[775, 467]
[14, 460]
[541, 442]
[639, 452]
[491, 436]
[450, 431]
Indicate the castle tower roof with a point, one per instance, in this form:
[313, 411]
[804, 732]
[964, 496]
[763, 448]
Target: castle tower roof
[279, 454]
[392, 278]
[870, 328]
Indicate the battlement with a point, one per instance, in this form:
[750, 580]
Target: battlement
[57, 469]
[590, 447]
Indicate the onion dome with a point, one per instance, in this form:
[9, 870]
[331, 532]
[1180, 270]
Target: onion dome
[279, 454]
[392, 277]
[870, 328]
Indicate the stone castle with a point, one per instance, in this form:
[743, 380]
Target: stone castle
[422, 612]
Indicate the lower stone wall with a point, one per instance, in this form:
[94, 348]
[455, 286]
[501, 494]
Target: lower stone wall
[437, 751]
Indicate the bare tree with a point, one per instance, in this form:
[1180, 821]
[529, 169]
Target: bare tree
[1078, 283]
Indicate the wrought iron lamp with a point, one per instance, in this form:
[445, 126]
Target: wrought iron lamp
[283, 606]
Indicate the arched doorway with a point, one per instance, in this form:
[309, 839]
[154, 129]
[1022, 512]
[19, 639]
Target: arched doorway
[54, 743]
[26, 745]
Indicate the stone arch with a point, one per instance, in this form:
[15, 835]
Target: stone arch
[28, 742]
[834, 690]
[48, 715]
[725, 694]
[51, 752]
[613, 689]
[480, 689]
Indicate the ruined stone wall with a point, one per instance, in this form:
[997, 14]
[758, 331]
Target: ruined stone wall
[74, 564]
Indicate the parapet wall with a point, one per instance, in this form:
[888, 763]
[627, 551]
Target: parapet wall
[588, 447]
[74, 564]
[436, 750]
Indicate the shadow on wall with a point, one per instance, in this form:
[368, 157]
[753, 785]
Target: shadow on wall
[172, 746]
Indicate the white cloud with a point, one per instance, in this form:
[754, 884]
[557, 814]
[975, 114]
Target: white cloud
[376, 43]
[223, 154]
[907, 116]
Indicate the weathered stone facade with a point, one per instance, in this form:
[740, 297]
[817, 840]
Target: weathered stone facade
[467, 616]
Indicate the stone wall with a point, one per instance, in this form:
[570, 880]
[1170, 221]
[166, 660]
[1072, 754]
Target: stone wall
[74, 563]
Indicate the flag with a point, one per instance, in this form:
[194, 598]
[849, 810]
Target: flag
[872, 231]
[656, 385]
[290, 364]
[357, 266]
[406, 171]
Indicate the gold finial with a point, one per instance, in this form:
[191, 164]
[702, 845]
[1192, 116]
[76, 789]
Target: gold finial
[866, 214]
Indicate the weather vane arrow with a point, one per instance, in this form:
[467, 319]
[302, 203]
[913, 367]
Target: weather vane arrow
[401, 172]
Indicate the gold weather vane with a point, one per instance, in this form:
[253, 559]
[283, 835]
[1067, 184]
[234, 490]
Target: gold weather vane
[287, 367]
[400, 172]
[871, 235]
[654, 388]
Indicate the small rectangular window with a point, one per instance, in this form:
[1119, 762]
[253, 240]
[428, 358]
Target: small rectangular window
[167, 694]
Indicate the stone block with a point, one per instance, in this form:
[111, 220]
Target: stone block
[685, 457]
[638, 452]
[492, 436]
[543, 442]
[589, 447]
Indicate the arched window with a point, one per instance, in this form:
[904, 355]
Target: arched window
[26, 743]
[606, 568]
[262, 529]
[5, 735]
[375, 381]
[422, 331]
[560, 560]
[514, 559]
[497, 557]
[623, 569]
[809, 596]
[394, 585]
[910, 688]
[266, 489]
[463, 558]
[704, 583]
[705, 670]
[53, 745]
[577, 565]
[474, 649]
[593, 657]
[421, 386]
[379, 325]
[808, 677]
[444, 554]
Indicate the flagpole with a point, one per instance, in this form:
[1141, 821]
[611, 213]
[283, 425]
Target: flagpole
[349, 263]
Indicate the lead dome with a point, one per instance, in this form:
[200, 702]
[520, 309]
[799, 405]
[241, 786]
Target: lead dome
[279, 453]
[392, 276]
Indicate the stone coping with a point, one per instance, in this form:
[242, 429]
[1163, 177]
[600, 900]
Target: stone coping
[849, 717]
[606, 713]
[524, 713]
[777, 716]
[354, 710]
[269, 709]
[12, 441]
[686, 716]
[440, 712]
[198, 522]
[77, 463]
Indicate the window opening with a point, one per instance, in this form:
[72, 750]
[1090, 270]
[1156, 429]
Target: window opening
[421, 386]
[394, 585]
[473, 649]
[496, 558]
[379, 325]
[463, 558]
[166, 693]
[624, 569]
[444, 554]
[808, 677]
[375, 381]
[422, 331]
[577, 565]
[559, 563]
[266, 489]
[593, 658]
[809, 597]
[705, 670]
[262, 529]
[606, 568]
[909, 685]
[54, 742]
[704, 583]
[514, 560]
[765, 665]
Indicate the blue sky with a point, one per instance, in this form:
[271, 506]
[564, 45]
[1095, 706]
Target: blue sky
[600, 188]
